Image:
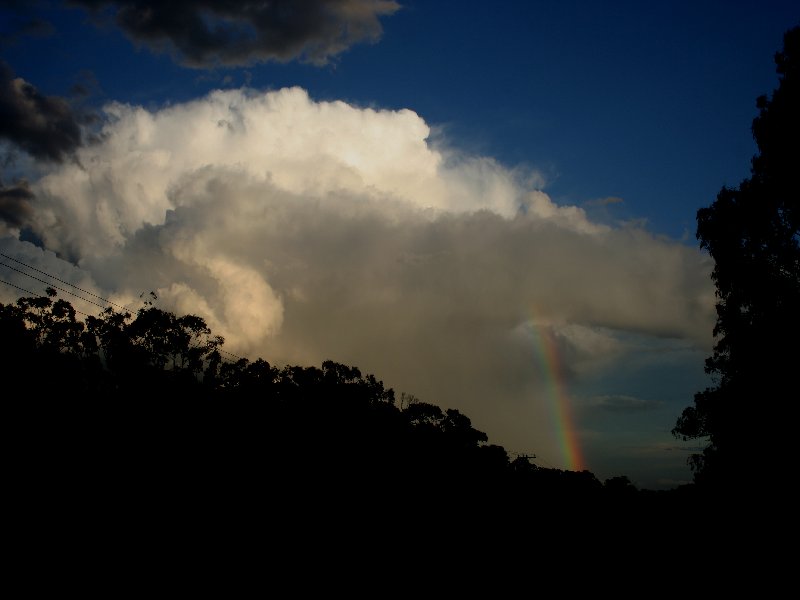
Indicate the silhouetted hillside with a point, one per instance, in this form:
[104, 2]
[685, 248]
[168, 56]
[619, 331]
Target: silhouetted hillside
[142, 416]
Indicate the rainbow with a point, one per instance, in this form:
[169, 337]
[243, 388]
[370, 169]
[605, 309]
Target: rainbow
[558, 399]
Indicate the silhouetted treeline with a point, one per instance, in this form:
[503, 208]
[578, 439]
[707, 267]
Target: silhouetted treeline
[753, 234]
[146, 408]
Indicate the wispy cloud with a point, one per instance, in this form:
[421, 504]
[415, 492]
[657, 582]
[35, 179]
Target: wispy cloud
[609, 200]
[622, 403]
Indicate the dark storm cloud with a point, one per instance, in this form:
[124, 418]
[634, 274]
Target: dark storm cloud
[44, 126]
[15, 208]
[207, 33]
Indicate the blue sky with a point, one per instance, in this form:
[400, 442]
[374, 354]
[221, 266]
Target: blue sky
[624, 118]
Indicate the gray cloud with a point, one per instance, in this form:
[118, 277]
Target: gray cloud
[15, 205]
[621, 403]
[44, 126]
[208, 33]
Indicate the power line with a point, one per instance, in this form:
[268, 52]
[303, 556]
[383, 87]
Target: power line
[67, 291]
[232, 354]
[83, 313]
[37, 295]
[61, 280]
[52, 285]
[19, 288]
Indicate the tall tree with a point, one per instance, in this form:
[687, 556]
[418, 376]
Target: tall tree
[752, 233]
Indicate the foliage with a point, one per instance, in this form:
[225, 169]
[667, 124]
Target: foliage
[144, 407]
[752, 233]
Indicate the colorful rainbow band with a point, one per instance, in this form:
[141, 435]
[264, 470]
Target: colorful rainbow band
[558, 398]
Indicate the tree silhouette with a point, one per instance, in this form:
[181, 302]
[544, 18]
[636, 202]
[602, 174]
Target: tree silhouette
[752, 233]
[143, 412]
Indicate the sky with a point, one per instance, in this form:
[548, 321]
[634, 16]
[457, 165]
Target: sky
[490, 206]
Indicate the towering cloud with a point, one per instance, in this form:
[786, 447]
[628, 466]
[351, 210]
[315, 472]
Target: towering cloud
[206, 33]
[306, 230]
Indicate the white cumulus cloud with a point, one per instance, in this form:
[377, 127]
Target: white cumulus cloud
[305, 230]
